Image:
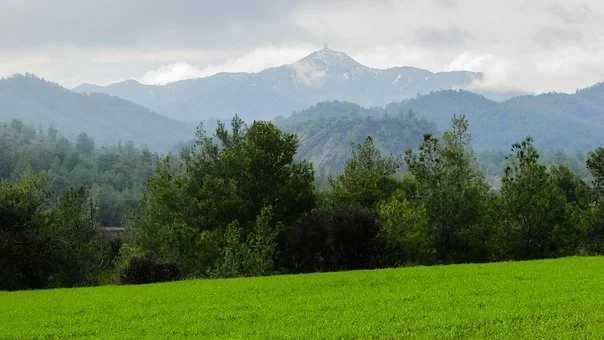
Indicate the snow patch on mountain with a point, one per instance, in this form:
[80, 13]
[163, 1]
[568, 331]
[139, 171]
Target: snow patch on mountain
[309, 73]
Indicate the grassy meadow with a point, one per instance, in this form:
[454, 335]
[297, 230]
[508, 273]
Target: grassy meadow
[561, 298]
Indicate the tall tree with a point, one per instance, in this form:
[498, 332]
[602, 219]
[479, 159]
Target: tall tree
[224, 180]
[367, 178]
[595, 232]
[539, 219]
[454, 194]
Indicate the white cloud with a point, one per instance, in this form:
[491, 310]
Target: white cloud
[537, 45]
[171, 73]
[253, 61]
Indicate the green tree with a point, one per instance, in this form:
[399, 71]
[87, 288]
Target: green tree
[44, 242]
[540, 219]
[25, 252]
[80, 253]
[367, 178]
[454, 195]
[404, 230]
[595, 232]
[595, 165]
[252, 256]
[224, 180]
[84, 144]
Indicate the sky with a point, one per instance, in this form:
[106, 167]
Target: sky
[529, 45]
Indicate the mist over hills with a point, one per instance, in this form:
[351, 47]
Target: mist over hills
[107, 119]
[321, 76]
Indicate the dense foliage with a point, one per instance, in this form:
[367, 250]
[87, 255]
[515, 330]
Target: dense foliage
[224, 200]
[45, 242]
[238, 203]
[115, 176]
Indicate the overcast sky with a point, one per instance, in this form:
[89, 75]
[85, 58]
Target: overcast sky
[531, 45]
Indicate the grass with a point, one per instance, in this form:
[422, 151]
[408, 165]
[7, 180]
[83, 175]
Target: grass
[561, 298]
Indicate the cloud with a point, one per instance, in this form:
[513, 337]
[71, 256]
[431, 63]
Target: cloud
[496, 72]
[538, 45]
[171, 73]
[253, 61]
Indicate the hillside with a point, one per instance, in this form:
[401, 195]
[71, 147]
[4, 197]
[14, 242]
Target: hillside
[557, 121]
[329, 131]
[321, 76]
[107, 119]
[511, 300]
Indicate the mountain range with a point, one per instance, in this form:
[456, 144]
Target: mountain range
[324, 75]
[556, 121]
[366, 106]
[572, 123]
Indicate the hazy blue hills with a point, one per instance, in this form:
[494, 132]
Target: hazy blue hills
[321, 76]
[107, 119]
[557, 121]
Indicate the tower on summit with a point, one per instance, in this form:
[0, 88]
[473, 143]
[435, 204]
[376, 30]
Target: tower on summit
[325, 46]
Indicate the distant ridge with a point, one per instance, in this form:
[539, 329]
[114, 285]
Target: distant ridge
[107, 119]
[323, 75]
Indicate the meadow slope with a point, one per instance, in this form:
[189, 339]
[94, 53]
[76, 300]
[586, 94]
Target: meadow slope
[561, 298]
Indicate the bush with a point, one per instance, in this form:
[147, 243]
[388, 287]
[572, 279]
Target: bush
[148, 268]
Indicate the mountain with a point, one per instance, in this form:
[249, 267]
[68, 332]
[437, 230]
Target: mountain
[556, 121]
[571, 123]
[321, 76]
[329, 131]
[106, 118]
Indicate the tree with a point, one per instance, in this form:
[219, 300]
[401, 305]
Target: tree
[367, 178]
[25, 252]
[454, 195]
[224, 180]
[595, 232]
[252, 256]
[46, 243]
[404, 230]
[595, 164]
[79, 251]
[539, 219]
[84, 144]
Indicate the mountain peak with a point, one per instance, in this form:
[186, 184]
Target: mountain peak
[329, 57]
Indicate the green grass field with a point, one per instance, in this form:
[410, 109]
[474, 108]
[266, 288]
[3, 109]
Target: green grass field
[561, 298]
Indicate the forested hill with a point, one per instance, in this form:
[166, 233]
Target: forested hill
[114, 175]
[557, 121]
[329, 131]
[107, 119]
